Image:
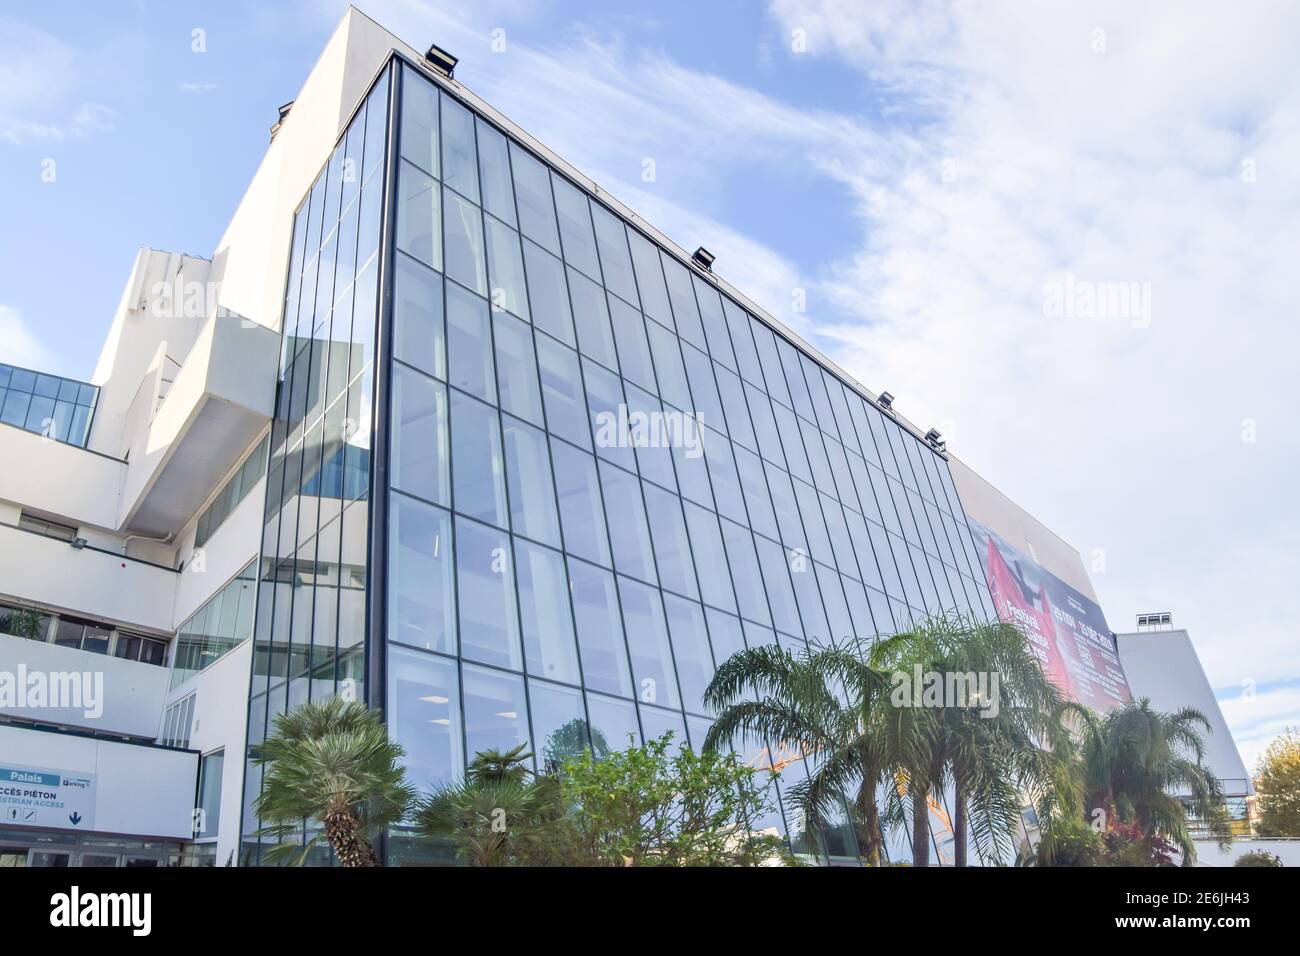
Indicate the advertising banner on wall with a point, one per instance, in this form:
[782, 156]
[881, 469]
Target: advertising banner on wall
[39, 797]
[1067, 629]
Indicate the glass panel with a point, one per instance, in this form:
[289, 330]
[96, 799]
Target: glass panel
[591, 316]
[629, 532]
[672, 546]
[647, 640]
[517, 381]
[419, 123]
[566, 405]
[750, 593]
[581, 515]
[533, 192]
[459, 162]
[424, 717]
[650, 279]
[478, 467]
[505, 269]
[548, 294]
[690, 650]
[600, 629]
[533, 511]
[419, 216]
[633, 347]
[496, 715]
[489, 625]
[544, 609]
[683, 299]
[616, 263]
[420, 436]
[614, 725]
[464, 243]
[710, 558]
[559, 724]
[419, 336]
[494, 173]
[469, 344]
[575, 227]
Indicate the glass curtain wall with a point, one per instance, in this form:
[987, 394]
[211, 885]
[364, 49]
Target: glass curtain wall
[550, 583]
[310, 631]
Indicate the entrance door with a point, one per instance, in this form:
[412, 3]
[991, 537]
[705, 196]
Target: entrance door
[140, 861]
[99, 859]
[48, 858]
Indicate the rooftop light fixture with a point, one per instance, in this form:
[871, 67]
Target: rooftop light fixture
[885, 400]
[703, 258]
[441, 60]
[935, 439]
[1155, 619]
[79, 543]
[284, 113]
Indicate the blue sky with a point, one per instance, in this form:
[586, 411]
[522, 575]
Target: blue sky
[922, 171]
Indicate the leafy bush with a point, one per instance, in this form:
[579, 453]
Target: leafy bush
[1258, 858]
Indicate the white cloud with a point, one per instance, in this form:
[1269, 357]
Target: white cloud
[1121, 165]
[17, 344]
[38, 100]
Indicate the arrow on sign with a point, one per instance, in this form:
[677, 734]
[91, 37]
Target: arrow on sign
[75, 818]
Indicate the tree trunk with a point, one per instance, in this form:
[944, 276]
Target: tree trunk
[959, 826]
[920, 823]
[342, 830]
[870, 837]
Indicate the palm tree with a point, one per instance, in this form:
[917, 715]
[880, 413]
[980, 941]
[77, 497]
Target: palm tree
[998, 751]
[501, 814]
[768, 693]
[331, 765]
[836, 704]
[1134, 761]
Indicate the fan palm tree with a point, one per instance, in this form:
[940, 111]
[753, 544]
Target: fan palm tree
[501, 814]
[1134, 761]
[331, 765]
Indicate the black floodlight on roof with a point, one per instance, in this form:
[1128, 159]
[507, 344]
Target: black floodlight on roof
[441, 60]
[885, 400]
[703, 258]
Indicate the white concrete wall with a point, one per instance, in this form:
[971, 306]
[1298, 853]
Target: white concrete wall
[130, 702]
[39, 474]
[1163, 666]
[140, 326]
[139, 790]
[55, 575]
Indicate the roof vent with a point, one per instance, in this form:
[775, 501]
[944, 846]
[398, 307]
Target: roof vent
[441, 60]
[885, 400]
[284, 114]
[703, 258]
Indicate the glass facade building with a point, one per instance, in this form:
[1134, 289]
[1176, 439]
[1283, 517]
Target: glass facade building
[595, 474]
